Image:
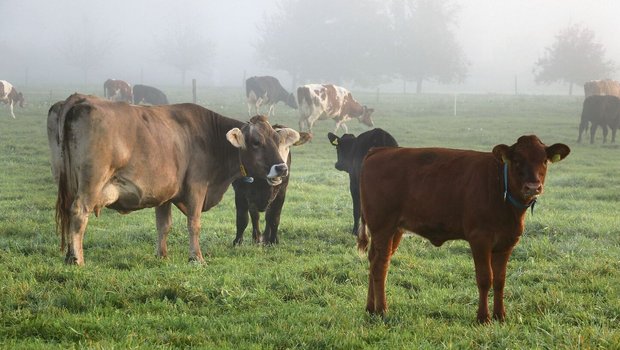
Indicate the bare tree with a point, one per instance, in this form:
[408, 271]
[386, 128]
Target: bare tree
[185, 49]
[574, 58]
[425, 47]
[86, 50]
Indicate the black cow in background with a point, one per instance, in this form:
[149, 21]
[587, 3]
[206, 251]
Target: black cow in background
[253, 196]
[268, 91]
[351, 151]
[148, 94]
[603, 110]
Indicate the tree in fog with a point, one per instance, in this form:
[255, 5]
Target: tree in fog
[325, 40]
[185, 49]
[574, 58]
[86, 50]
[424, 45]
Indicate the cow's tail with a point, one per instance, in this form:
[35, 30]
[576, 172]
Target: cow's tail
[363, 239]
[67, 179]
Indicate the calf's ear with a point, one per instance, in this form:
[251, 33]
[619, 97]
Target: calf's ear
[235, 137]
[303, 138]
[333, 139]
[289, 136]
[502, 153]
[557, 152]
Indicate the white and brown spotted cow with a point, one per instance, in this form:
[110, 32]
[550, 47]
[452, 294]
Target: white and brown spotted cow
[117, 90]
[10, 96]
[327, 101]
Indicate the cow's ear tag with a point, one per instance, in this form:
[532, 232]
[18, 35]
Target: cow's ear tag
[505, 160]
[556, 158]
[335, 142]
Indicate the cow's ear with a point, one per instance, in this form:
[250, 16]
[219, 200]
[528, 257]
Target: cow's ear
[333, 139]
[370, 111]
[235, 137]
[289, 136]
[303, 138]
[502, 153]
[557, 152]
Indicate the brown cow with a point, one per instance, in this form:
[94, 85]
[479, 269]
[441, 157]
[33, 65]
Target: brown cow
[128, 157]
[445, 194]
[327, 101]
[117, 90]
[10, 96]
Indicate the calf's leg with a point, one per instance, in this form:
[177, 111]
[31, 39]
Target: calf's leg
[499, 260]
[380, 252]
[484, 278]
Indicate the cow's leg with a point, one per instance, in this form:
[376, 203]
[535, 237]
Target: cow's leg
[613, 134]
[484, 278]
[241, 205]
[355, 196]
[592, 132]
[77, 226]
[249, 109]
[582, 126]
[499, 261]
[194, 210]
[272, 110]
[163, 219]
[344, 126]
[272, 218]
[605, 131]
[381, 247]
[256, 234]
[11, 106]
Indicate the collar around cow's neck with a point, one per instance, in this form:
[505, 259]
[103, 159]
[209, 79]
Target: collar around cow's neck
[244, 175]
[515, 203]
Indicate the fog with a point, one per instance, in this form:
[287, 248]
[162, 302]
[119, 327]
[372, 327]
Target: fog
[501, 40]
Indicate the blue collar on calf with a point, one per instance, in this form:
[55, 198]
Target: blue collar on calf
[515, 203]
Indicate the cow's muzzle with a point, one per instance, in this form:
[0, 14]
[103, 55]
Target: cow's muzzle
[532, 189]
[276, 173]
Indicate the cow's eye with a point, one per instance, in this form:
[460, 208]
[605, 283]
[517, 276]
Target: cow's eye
[255, 143]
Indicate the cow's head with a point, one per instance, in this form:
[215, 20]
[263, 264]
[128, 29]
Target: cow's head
[527, 165]
[20, 98]
[344, 150]
[291, 101]
[365, 117]
[260, 149]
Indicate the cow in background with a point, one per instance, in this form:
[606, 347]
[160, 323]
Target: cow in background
[10, 96]
[350, 152]
[117, 90]
[254, 196]
[327, 101]
[445, 194]
[266, 90]
[601, 87]
[600, 110]
[148, 94]
[110, 152]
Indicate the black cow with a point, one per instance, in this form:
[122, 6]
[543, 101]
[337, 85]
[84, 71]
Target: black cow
[266, 90]
[603, 110]
[351, 151]
[148, 94]
[255, 195]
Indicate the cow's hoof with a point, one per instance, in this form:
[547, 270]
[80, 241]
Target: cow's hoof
[196, 260]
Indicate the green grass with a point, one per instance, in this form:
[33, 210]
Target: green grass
[563, 279]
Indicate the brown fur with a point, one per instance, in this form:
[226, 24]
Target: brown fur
[446, 194]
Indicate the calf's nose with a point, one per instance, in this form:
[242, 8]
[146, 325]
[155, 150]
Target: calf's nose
[278, 170]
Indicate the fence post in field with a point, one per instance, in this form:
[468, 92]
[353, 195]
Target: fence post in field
[194, 90]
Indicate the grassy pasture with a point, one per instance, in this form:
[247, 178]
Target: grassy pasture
[563, 279]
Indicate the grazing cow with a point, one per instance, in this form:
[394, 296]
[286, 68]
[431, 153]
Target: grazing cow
[117, 90]
[148, 94]
[255, 196]
[318, 102]
[446, 194]
[266, 90]
[350, 152]
[10, 96]
[128, 157]
[601, 87]
[603, 110]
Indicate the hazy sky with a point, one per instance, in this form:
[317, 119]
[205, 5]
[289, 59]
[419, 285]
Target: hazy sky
[501, 38]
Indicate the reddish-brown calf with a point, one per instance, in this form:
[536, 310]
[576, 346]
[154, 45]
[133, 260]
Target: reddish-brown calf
[445, 194]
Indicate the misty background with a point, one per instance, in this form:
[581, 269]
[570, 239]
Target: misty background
[135, 41]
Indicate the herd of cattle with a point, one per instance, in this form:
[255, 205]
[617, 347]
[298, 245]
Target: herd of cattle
[127, 157]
